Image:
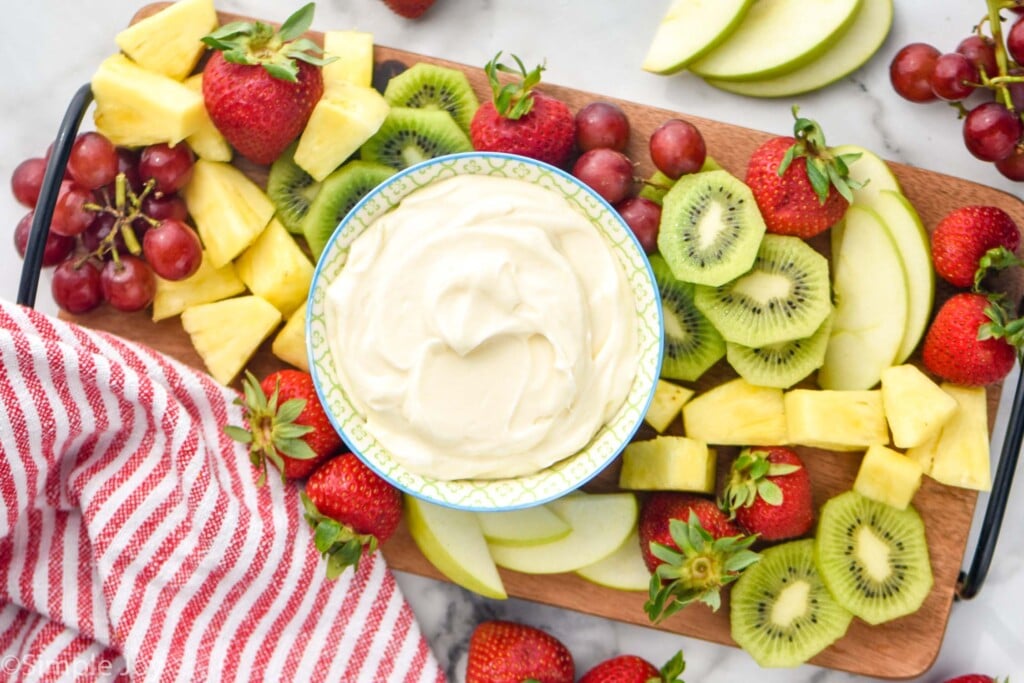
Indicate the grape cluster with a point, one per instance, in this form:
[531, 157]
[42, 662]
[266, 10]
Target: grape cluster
[983, 78]
[117, 222]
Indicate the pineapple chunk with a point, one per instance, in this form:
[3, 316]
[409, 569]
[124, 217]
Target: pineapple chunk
[136, 107]
[961, 456]
[290, 343]
[206, 285]
[669, 463]
[924, 454]
[737, 413]
[168, 42]
[915, 407]
[888, 476]
[354, 63]
[207, 142]
[836, 420]
[230, 211]
[666, 404]
[226, 333]
[345, 117]
[275, 268]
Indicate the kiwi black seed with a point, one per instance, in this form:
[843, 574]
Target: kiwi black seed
[692, 345]
[780, 365]
[409, 136]
[428, 86]
[710, 228]
[873, 557]
[339, 192]
[780, 611]
[291, 189]
[784, 296]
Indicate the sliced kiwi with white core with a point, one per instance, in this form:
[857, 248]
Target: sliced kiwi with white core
[710, 228]
[409, 136]
[428, 86]
[780, 365]
[291, 189]
[873, 557]
[780, 611]
[339, 192]
[784, 296]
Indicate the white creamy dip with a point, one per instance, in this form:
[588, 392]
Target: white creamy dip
[483, 328]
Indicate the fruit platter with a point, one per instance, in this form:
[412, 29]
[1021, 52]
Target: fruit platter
[900, 646]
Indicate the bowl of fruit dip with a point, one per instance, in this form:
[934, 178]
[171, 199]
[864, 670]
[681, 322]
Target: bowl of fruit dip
[484, 331]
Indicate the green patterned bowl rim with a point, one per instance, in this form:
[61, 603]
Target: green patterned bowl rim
[491, 494]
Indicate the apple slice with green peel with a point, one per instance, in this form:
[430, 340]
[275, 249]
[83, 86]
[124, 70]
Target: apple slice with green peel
[529, 526]
[690, 29]
[870, 287]
[600, 524]
[454, 544]
[623, 570]
[871, 171]
[777, 36]
[854, 48]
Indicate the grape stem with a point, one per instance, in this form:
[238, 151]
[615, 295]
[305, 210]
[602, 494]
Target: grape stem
[995, 23]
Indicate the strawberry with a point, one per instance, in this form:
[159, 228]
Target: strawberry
[260, 86]
[351, 510]
[520, 120]
[410, 9]
[633, 669]
[507, 652]
[769, 493]
[287, 424]
[965, 236]
[801, 188]
[692, 550]
[972, 340]
[973, 678]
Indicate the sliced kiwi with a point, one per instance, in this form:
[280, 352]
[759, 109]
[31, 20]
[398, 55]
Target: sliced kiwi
[785, 295]
[780, 365]
[780, 611]
[692, 345]
[409, 136]
[873, 557]
[339, 192]
[710, 228]
[291, 189]
[428, 86]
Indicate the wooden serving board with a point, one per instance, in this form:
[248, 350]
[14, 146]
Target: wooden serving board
[900, 649]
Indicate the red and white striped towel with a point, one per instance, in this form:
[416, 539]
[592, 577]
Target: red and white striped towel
[134, 545]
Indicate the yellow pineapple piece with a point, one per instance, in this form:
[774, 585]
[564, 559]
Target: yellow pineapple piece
[888, 476]
[136, 107]
[168, 42]
[666, 404]
[354, 63]
[961, 457]
[924, 453]
[226, 333]
[345, 117]
[275, 268]
[836, 420]
[669, 463]
[230, 211]
[915, 406]
[206, 285]
[290, 343]
[207, 142]
[737, 413]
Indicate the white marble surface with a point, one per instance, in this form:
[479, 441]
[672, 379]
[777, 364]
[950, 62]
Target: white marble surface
[50, 47]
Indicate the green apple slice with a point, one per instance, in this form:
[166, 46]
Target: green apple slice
[870, 287]
[452, 541]
[600, 524]
[623, 570]
[690, 29]
[871, 171]
[855, 47]
[777, 36]
[529, 526]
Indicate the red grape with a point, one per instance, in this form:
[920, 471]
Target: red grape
[173, 250]
[1015, 41]
[128, 163]
[76, 288]
[27, 179]
[980, 53]
[644, 218]
[93, 161]
[57, 246]
[602, 124]
[1012, 166]
[98, 231]
[128, 283]
[910, 72]
[677, 148]
[169, 167]
[70, 217]
[951, 77]
[607, 172]
[165, 206]
[991, 131]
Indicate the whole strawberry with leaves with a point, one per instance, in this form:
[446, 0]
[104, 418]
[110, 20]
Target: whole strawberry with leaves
[973, 340]
[260, 85]
[507, 652]
[800, 186]
[522, 120]
[351, 510]
[633, 669]
[769, 493]
[970, 240]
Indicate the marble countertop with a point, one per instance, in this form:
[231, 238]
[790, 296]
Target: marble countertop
[50, 47]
